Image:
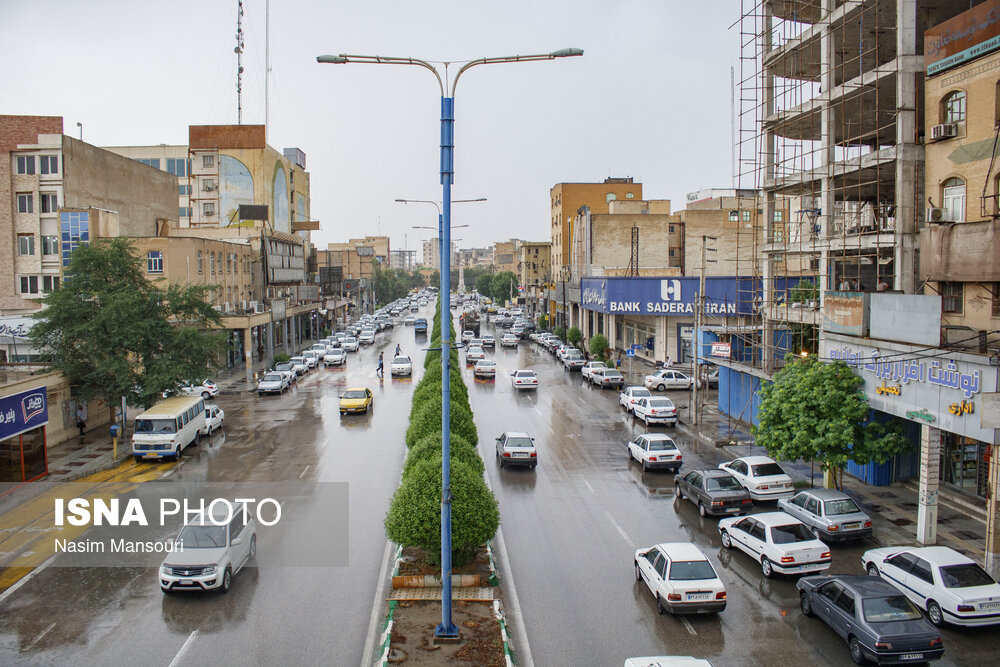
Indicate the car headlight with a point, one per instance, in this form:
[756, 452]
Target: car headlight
[209, 570]
[165, 569]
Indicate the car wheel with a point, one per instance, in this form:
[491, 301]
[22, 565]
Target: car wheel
[138, 459]
[253, 547]
[857, 653]
[701, 509]
[227, 580]
[934, 613]
[815, 532]
[804, 604]
[766, 568]
[726, 540]
[205, 395]
[660, 387]
[659, 605]
[873, 570]
[638, 576]
[644, 466]
[678, 493]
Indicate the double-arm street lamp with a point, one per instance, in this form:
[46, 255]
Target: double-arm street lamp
[441, 248]
[447, 629]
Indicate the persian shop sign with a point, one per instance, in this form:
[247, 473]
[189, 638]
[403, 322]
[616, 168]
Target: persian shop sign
[23, 411]
[659, 296]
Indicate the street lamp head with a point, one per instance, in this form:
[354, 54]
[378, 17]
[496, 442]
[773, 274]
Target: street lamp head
[333, 60]
[566, 53]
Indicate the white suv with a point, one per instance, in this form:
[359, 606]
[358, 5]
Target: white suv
[215, 547]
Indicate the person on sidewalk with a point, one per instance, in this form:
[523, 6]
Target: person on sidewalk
[260, 352]
[380, 365]
[80, 421]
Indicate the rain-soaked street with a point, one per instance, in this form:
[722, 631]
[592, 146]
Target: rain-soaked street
[570, 529]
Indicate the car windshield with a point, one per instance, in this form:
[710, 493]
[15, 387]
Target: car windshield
[690, 570]
[519, 441]
[155, 426]
[661, 445]
[355, 393]
[485, 362]
[401, 360]
[660, 403]
[726, 483]
[203, 537]
[767, 470]
[298, 360]
[351, 339]
[840, 506]
[283, 367]
[272, 377]
[965, 575]
[792, 532]
[889, 609]
[598, 364]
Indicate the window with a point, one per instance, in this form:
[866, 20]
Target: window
[670, 229]
[29, 284]
[26, 164]
[208, 185]
[50, 283]
[50, 202]
[746, 216]
[229, 263]
[777, 216]
[953, 194]
[211, 256]
[201, 261]
[903, 561]
[846, 603]
[153, 162]
[996, 300]
[609, 197]
[154, 261]
[922, 570]
[208, 209]
[25, 203]
[831, 590]
[183, 189]
[953, 107]
[184, 212]
[25, 244]
[50, 245]
[673, 252]
[49, 164]
[734, 216]
[207, 161]
[75, 228]
[629, 195]
[951, 297]
[177, 166]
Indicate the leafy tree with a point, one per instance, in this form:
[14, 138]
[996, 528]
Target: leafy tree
[543, 322]
[281, 357]
[574, 336]
[560, 332]
[484, 284]
[503, 286]
[114, 333]
[814, 411]
[435, 278]
[599, 347]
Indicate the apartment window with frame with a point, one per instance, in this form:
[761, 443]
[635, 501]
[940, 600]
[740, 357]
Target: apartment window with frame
[25, 202]
[207, 161]
[50, 202]
[25, 244]
[745, 216]
[26, 164]
[154, 261]
[734, 216]
[996, 300]
[49, 164]
[50, 245]
[952, 296]
[177, 166]
[29, 284]
[953, 196]
[629, 195]
[610, 197]
[208, 185]
[211, 257]
[50, 283]
[184, 212]
[208, 209]
[953, 107]
[153, 162]
[777, 216]
[183, 190]
[201, 261]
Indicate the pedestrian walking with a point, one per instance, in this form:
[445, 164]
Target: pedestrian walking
[260, 351]
[80, 421]
[398, 350]
[668, 363]
[380, 365]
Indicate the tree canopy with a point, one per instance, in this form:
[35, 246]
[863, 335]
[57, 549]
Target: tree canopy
[814, 411]
[114, 333]
[392, 284]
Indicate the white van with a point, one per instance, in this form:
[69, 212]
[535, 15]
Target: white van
[168, 427]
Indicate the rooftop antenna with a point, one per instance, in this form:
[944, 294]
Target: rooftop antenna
[239, 62]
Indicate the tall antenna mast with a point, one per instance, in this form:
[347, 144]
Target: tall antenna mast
[267, 64]
[239, 62]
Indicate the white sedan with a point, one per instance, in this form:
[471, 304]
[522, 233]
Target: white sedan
[401, 365]
[311, 357]
[335, 357]
[629, 395]
[206, 389]
[589, 367]
[681, 579]
[761, 476]
[274, 382]
[780, 543]
[474, 354]
[656, 451]
[524, 379]
[668, 379]
[350, 344]
[655, 410]
[951, 587]
[300, 365]
[214, 419]
[508, 340]
[485, 368]
[409, 320]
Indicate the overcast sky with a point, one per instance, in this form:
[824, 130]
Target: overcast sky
[649, 99]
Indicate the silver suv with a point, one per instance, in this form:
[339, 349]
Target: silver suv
[212, 553]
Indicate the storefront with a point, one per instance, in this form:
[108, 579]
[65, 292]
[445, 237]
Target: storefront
[23, 417]
[965, 464]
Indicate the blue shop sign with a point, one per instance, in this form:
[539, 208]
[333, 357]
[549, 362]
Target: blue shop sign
[22, 412]
[726, 295]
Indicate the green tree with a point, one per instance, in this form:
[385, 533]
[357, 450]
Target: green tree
[503, 286]
[114, 333]
[484, 284]
[599, 347]
[560, 333]
[543, 322]
[814, 411]
[435, 279]
[574, 336]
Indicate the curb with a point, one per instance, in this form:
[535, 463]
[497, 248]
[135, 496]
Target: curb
[498, 609]
[386, 638]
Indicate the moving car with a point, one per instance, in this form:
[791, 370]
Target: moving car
[474, 354]
[589, 367]
[274, 382]
[367, 337]
[420, 326]
[206, 389]
[655, 410]
[524, 379]
[630, 395]
[950, 587]
[508, 340]
[168, 427]
[668, 379]
[485, 368]
[606, 377]
[401, 365]
[831, 514]
[467, 336]
[350, 344]
[299, 365]
[335, 357]
[761, 476]
[877, 622]
[489, 341]
[214, 419]
[655, 451]
[715, 492]
[515, 448]
[780, 543]
[681, 579]
[409, 320]
[212, 554]
[356, 399]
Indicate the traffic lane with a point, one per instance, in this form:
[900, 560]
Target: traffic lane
[312, 441]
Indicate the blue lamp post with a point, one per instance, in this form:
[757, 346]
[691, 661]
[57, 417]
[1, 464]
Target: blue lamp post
[447, 629]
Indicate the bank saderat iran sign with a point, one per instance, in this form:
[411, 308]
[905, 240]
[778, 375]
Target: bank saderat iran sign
[941, 390]
[665, 296]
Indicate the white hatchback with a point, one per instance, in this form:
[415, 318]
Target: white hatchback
[761, 476]
[629, 395]
[780, 543]
[655, 410]
[681, 578]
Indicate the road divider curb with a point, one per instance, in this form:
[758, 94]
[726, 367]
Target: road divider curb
[386, 639]
[498, 608]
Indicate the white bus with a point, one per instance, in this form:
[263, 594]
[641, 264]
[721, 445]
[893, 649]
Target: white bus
[168, 427]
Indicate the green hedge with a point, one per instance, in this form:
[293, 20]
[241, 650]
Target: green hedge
[431, 384]
[429, 449]
[427, 421]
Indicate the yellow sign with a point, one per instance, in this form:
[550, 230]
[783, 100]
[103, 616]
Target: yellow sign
[890, 390]
[962, 408]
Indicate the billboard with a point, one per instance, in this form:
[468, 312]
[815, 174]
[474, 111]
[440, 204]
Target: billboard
[907, 318]
[665, 296]
[971, 34]
[846, 313]
[23, 411]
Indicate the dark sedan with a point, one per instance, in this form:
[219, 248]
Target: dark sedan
[877, 621]
[715, 492]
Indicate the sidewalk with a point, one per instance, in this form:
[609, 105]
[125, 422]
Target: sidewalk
[893, 508]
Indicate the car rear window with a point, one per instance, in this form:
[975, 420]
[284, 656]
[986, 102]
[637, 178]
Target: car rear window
[789, 533]
[401, 360]
[612, 374]
[661, 445]
[722, 484]
[272, 377]
[641, 392]
[660, 403]
[964, 576]
[889, 609]
[526, 374]
[841, 506]
[767, 469]
[691, 570]
[519, 442]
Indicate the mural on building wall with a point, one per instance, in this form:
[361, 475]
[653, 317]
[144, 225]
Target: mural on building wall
[235, 188]
[281, 219]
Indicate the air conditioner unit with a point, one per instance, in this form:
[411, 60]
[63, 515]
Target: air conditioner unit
[217, 308]
[936, 214]
[209, 187]
[944, 131]
[243, 305]
[257, 307]
[227, 307]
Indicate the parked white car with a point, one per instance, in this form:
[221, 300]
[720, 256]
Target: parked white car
[288, 370]
[336, 357]
[312, 358]
[589, 367]
[214, 419]
[655, 410]
[668, 379]
[206, 389]
[300, 365]
[780, 543]
[656, 451]
[401, 365]
[681, 578]
[761, 476]
[320, 349]
[524, 379]
[274, 382]
[950, 587]
[212, 554]
[629, 395]
[350, 344]
[508, 340]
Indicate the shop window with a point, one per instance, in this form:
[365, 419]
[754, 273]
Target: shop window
[953, 107]
[953, 196]
[952, 297]
[965, 463]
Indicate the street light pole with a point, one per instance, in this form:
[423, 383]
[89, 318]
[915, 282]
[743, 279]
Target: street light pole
[447, 630]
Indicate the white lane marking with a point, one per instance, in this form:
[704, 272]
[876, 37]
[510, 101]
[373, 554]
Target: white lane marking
[23, 580]
[620, 530]
[687, 624]
[38, 638]
[377, 604]
[539, 412]
[184, 649]
[304, 471]
[588, 486]
[580, 398]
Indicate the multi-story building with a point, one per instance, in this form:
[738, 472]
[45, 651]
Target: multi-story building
[354, 262]
[506, 255]
[534, 271]
[403, 260]
[475, 256]
[432, 253]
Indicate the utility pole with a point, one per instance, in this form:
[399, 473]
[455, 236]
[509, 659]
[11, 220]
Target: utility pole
[698, 306]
